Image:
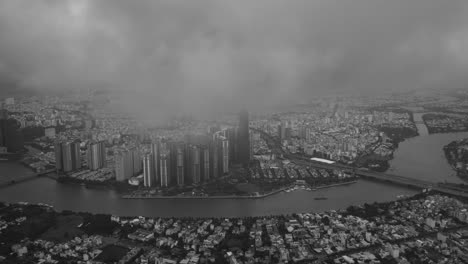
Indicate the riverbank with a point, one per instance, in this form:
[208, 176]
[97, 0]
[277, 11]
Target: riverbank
[29, 229]
[456, 153]
[229, 196]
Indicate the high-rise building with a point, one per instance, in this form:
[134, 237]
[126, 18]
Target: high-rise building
[165, 162]
[155, 156]
[137, 162]
[302, 132]
[67, 156]
[76, 155]
[225, 155]
[96, 155]
[243, 138]
[165, 168]
[281, 131]
[233, 145]
[194, 164]
[287, 133]
[58, 156]
[214, 159]
[180, 159]
[149, 179]
[205, 161]
[124, 165]
[252, 143]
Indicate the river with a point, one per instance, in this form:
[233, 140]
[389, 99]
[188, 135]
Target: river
[79, 198]
[420, 157]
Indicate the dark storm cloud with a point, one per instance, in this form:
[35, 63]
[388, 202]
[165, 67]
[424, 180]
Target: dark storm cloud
[206, 55]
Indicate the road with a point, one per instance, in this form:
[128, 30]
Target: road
[276, 147]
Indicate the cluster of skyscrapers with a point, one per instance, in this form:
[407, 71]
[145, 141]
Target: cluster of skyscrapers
[68, 157]
[177, 163]
[195, 160]
[168, 163]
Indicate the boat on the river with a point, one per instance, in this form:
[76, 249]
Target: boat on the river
[320, 198]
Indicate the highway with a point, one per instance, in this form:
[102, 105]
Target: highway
[363, 173]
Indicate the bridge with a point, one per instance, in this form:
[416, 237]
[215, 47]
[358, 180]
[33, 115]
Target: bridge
[363, 173]
[27, 178]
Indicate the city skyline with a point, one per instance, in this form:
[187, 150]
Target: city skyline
[233, 132]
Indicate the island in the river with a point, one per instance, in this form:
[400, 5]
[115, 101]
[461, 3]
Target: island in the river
[456, 153]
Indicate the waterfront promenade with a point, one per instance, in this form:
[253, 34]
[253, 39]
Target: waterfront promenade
[260, 196]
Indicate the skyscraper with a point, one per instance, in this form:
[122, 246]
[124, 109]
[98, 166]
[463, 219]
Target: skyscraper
[221, 153]
[96, 155]
[67, 156]
[137, 163]
[155, 156]
[164, 168]
[123, 165]
[180, 164]
[252, 141]
[205, 161]
[194, 164]
[149, 178]
[225, 155]
[233, 144]
[67, 161]
[76, 155]
[214, 150]
[165, 165]
[58, 157]
[243, 138]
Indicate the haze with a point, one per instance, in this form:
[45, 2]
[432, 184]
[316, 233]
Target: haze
[206, 56]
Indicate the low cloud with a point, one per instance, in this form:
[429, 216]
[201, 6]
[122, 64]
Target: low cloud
[205, 56]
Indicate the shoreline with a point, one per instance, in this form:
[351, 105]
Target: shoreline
[448, 149]
[229, 196]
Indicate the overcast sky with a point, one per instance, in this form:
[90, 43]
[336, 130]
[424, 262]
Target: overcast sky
[196, 54]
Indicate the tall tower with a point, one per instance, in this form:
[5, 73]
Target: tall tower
[225, 155]
[76, 155]
[58, 157]
[137, 163]
[67, 158]
[96, 155]
[194, 164]
[244, 139]
[165, 164]
[214, 150]
[205, 169]
[124, 165]
[233, 145]
[148, 171]
[180, 164]
[155, 155]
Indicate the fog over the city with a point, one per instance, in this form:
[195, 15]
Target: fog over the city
[206, 55]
